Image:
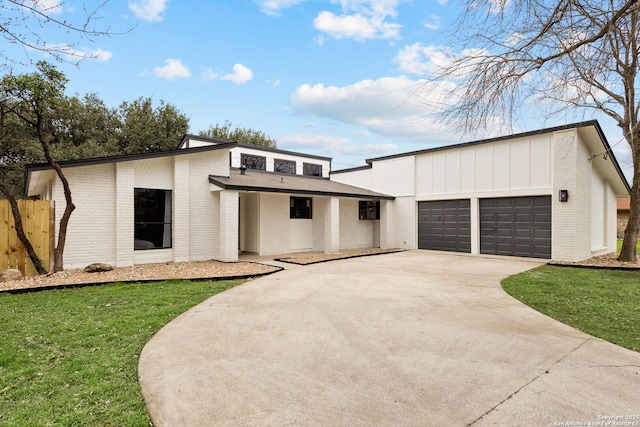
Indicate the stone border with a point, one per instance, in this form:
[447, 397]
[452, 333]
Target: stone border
[292, 260]
[90, 284]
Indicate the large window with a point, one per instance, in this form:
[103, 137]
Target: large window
[301, 207]
[284, 166]
[252, 161]
[311, 169]
[368, 210]
[152, 229]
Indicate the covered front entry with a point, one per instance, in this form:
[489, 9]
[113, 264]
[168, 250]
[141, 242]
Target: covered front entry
[445, 225]
[516, 226]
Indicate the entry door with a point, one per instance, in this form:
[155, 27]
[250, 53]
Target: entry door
[445, 225]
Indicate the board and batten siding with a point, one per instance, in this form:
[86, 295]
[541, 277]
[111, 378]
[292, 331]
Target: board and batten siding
[486, 170]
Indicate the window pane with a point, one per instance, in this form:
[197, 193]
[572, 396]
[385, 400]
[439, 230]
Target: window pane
[311, 169]
[285, 166]
[301, 208]
[253, 162]
[368, 210]
[152, 217]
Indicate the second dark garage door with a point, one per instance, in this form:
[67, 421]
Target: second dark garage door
[445, 225]
[517, 226]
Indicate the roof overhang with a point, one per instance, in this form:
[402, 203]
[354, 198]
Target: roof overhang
[603, 158]
[268, 182]
[38, 168]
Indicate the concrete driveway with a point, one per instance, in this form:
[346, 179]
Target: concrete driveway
[407, 339]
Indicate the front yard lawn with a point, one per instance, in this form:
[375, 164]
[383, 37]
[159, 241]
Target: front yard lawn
[602, 303]
[70, 357]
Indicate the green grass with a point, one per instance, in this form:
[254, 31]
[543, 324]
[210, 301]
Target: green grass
[69, 357]
[602, 303]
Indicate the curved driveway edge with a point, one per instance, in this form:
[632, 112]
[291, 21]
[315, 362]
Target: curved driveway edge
[407, 339]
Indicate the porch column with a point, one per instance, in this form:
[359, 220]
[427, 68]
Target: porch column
[386, 225]
[228, 226]
[332, 226]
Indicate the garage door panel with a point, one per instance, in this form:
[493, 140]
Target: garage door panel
[518, 226]
[445, 225]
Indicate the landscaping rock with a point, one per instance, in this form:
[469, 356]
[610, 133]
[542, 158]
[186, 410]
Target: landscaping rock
[10, 274]
[98, 267]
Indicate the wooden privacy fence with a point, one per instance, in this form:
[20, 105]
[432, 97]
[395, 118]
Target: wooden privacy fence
[37, 222]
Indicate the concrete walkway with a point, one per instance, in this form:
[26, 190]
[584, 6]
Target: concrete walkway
[408, 339]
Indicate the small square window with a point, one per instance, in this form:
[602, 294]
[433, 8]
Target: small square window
[311, 169]
[253, 162]
[301, 208]
[368, 210]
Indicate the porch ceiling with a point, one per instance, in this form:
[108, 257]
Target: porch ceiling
[294, 184]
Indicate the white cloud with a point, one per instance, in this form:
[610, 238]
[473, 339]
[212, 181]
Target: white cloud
[397, 107]
[149, 10]
[51, 7]
[420, 60]
[334, 146]
[358, 26]
[74, 54]
[273, 7]
[433, 23]
[240, 75]
[209, 74]
[101, 55]
[173, 69]
[427, 61]
[360, 19]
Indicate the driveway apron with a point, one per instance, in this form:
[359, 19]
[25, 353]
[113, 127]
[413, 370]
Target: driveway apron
[414, 338]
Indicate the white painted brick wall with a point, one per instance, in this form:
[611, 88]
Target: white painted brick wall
[181, 209]
[274, 224]
[348, 223]
[319, 206]
[204, 205]
[386, 224]
[124, 214]
[404, 223]
[332, 226]
[611, 219]
[92, 227]
[571, 221]
[228, 226]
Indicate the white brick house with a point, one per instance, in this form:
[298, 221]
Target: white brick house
[497, 196]
[194, 203]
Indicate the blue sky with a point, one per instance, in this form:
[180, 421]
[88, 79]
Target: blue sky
[336, 78]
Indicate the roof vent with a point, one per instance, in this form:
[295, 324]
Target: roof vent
[243, 169]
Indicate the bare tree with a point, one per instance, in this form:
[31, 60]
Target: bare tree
[24, 23]
[31, 98]
[557, 54]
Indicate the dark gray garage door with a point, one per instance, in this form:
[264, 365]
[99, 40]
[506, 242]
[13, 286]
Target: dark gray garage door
[517, 226]
[445, 225]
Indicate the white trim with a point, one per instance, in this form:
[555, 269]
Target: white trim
[548, 191]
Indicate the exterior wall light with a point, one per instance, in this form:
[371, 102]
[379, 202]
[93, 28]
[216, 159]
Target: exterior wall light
[563, 196]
